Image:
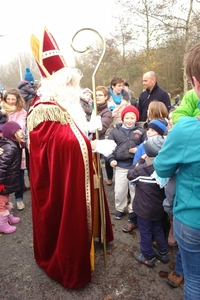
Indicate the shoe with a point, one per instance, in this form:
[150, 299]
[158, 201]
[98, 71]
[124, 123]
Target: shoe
[12, 219]
[147, 262]
[164, 258]
[118, 215]
[5, 227]
[109, 182]
[129, 227]
[20, 205]
[174, 279]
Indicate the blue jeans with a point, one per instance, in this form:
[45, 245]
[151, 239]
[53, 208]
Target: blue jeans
[148, 229]
[19, 194]
[178, 265]
[188, 239]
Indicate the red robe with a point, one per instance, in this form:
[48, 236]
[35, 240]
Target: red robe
[62, 191]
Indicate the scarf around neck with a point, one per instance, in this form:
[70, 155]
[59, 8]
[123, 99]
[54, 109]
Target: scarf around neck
[116, 98]
[8, 108]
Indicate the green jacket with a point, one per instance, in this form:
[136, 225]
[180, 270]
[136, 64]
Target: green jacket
[181, 151]
[187, 108]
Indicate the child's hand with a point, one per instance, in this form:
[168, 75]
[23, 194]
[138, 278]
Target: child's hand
[113, 163]
[133, 150]
[3, 111]
[144, 156]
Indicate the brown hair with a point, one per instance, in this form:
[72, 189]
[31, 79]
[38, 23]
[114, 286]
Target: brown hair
[157, 110]
[20, 101]
[103, 89]
[192, 62]
[116, 80]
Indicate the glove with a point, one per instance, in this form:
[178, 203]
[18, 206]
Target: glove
[2, 187]
[105, 147]
[95, 124]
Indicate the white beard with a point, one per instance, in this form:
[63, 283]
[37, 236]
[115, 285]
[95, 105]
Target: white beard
[63, 87]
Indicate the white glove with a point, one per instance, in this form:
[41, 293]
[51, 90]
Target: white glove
[105, 147]
[95, 124]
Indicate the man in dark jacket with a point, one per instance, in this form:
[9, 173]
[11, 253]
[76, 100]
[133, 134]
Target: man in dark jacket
[152, 92]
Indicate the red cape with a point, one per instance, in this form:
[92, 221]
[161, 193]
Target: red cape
[62, 202]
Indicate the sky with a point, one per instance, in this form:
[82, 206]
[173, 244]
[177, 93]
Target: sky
[20, 19]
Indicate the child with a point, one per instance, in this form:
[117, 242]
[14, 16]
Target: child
[126, 135]
[155, 127]
[10, 161]
[26, 88]
[148, 205]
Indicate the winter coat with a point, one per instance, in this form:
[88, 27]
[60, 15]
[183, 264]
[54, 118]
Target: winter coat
[124, 142]
[10, 162]
[26, 89]
[148, 201]
[19, 116]
[106, 118]
[189, 107]
[181, 151]
[146, 97]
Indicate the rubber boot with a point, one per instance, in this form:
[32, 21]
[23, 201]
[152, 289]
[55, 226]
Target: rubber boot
[12, 219]
[5, 226]
[171, 239]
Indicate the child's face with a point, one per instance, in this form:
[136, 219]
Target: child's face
[151, 132]
[130, 119]
[19, 133]
[11, 100]
[87, 96]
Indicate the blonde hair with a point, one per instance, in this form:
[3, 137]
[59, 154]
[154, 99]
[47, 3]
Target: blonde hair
[20, 101]
[157, 110]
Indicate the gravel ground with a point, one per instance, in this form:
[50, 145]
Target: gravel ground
[121, 277]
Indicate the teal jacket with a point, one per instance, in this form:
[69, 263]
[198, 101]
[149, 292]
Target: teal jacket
[189, 107]
[181, 150]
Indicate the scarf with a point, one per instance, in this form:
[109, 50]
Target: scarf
[8, 108]
[116, 98]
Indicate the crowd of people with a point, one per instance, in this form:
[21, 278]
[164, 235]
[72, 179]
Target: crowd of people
[151, 156]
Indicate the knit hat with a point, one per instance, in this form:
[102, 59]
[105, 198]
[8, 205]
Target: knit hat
[28, 76]
[87, 90]
[130, 108]
[9, 129]
[153, 145]
[158, 125]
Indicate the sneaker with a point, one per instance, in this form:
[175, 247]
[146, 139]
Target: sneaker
[174, 279]
[118, 215]
[147, 262]
[20, 205]
[164, 258]
[129, 227]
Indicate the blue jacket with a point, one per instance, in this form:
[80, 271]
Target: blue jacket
[181, 150]
[146, 97]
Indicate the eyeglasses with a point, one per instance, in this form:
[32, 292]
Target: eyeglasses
[99, 95]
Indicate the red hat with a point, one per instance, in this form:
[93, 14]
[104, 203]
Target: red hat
[47, 54]
[130, 108]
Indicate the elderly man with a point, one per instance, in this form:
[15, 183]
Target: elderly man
[152, 92]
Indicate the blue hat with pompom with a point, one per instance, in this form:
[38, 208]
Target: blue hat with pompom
[28, 76]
